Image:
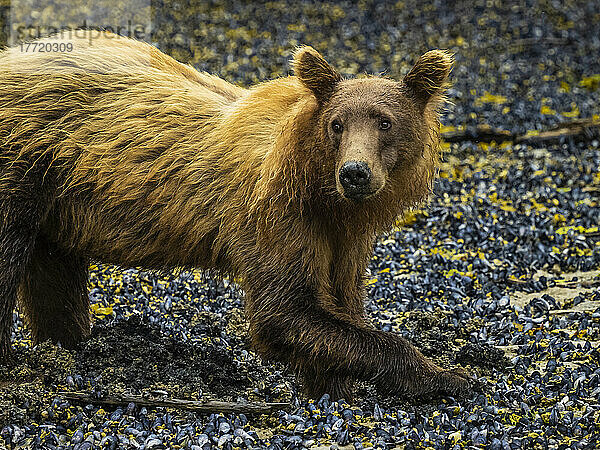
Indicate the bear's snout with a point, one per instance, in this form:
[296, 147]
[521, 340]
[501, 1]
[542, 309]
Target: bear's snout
[355, 178]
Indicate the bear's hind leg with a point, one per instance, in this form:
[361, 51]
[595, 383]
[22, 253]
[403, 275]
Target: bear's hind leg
[54, 295]
[16, 241]
[21, 212]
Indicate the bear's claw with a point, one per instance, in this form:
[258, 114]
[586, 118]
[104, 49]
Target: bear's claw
[454, 382]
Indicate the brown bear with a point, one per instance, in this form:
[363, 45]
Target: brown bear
[117, 153]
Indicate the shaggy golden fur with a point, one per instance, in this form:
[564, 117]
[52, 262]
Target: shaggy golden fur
[116, 152]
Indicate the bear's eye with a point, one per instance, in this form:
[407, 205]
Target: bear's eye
[385, 124]
[336, 126]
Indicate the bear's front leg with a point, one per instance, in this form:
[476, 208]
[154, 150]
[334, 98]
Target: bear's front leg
[345, 303]
[289, 323]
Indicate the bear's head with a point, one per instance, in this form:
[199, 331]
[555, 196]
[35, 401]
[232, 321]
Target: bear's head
[378, 129]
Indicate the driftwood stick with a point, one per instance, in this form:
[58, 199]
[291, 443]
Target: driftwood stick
[578, 130]
[206, 407]
[480, 133]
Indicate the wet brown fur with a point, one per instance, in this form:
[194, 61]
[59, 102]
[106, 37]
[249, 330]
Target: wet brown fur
[146, 162]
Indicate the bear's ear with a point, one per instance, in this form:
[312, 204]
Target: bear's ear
[429, 75]
[315, 73]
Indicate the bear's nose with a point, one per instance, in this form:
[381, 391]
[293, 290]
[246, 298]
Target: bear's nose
[355, 175]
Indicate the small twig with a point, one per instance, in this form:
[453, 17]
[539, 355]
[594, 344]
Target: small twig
[526, 42]
[509, 348]
[562, 284]
[207, 407]
[592, 234]
[588, 306]
[575, 123]
[578, 130]
[591, 189]
[578, 284]
[562, 312]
